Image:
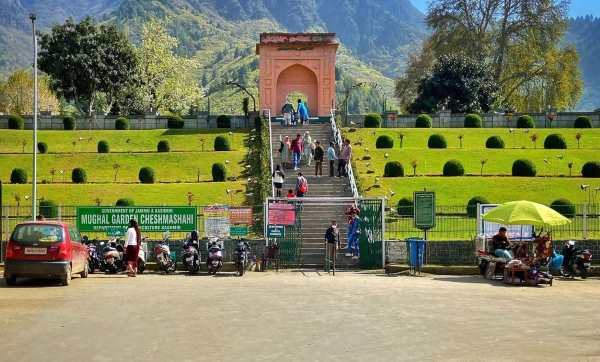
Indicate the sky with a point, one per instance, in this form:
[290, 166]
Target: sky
[578, 7]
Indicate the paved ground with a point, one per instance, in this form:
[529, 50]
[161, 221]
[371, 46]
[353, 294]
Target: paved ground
[299, 316]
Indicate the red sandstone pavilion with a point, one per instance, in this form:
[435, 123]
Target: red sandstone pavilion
[293, 63]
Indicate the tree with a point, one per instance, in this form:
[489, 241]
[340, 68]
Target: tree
[167, 81]
[86, 62]
[458, 83]
[16, 94]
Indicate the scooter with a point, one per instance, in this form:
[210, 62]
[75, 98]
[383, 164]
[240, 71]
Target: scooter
[141, 262]
[93, 259]
[163, 256]
[112, 257]
[241, 256]
[214, 261]
[191, 256]
[579, 265]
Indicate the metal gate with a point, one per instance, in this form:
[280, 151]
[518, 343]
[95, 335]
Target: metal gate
[372, 231]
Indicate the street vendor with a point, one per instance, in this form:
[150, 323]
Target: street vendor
[501, 245]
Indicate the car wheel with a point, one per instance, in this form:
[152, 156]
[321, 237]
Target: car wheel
[86, 271]
[66, 279]
[10, 280]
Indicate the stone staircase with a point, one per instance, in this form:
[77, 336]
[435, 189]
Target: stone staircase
[317, 215]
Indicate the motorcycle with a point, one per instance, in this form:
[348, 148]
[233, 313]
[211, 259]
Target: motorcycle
[241, 252]
[191, 256]
[214, 261]
[579, 265]
[141, 262]
[93, 258]
[163, 256]
[112, 257]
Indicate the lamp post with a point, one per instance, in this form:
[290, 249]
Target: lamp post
[35, 112]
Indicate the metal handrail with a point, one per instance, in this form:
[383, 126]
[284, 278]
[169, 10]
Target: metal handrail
[338, 140]
[268, 112]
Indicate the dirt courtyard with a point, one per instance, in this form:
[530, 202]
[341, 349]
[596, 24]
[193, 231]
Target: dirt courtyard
[299, 316]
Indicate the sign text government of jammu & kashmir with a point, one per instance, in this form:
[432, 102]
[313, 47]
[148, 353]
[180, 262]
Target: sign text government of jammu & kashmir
[149, 218]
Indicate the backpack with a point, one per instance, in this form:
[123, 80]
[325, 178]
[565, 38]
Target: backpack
[303, 187]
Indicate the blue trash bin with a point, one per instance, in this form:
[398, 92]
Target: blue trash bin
[416, 253]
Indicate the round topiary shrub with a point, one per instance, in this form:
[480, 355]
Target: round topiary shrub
[222, 144]
[49, 209]
[69, 123]
[384, 141]
[174, 122]
[523, 168]
[223, 121]
[589, 169]
[423, 121]
[219, 173]
[146, 175]
[405, 207]
[373, 120]
[393, 169]
[494, 142]
[121, 123]
[18, 176]
[437, 141]
[555, 141]
[42, 147]
[583, 122]
[125, 202]
[472, 121]
[15, 122]
[103, 147]
[78, 176]
[525, 121]
[472, 205]
[163, 146]
[454, 168]
[564, 207]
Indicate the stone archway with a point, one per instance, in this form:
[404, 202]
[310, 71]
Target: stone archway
[303, 62]
[297, 79]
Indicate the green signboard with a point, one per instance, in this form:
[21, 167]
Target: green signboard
[275, 231]
[424, 209]
[115, 219]
[238, 230]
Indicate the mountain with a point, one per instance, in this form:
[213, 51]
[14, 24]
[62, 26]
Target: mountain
[584, 33]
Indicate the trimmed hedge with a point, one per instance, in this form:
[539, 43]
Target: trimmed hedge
[42, 147]
[564, 207]
[18, 176]
[103, 147]
[163, 146]
[454, 168]
[472, 121]
[583, 122]
[219, 173]
[437, 141]
[589, 169]
[393, 169]
[174, 122]
[494, 142]
[15, 122]
[384, 141]
[523, 168]
[525, 121]
[555, 141]
[223, 121]
[121, 123]
[49, 209]
[146, 175]
[372, 120]
[78, 175]
[405, 207]
[472, 205]
[423, 121]
[222, 143]
[125, 202]
[69, 123]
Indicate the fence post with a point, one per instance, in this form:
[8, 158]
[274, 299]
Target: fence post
[59, 212]
[585, 224]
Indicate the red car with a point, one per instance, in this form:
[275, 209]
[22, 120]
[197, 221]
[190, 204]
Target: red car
[45, 249]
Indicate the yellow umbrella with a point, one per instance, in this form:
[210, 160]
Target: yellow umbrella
[525, 213]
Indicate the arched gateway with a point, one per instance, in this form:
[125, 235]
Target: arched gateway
[297, 63]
